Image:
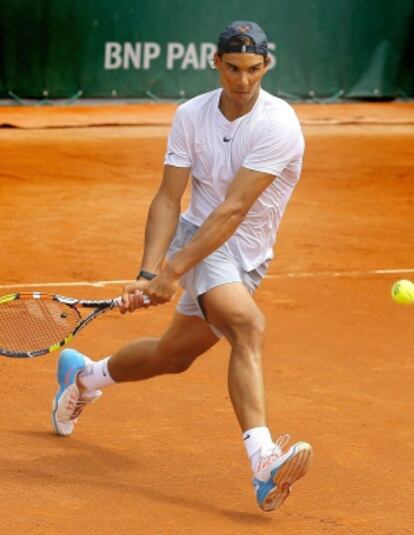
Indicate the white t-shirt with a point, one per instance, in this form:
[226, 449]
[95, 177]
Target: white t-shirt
[268, 139]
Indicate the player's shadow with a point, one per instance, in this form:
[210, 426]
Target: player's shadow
[102, 467]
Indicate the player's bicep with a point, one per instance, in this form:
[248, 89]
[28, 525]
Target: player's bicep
[246, 188]
[174, 182]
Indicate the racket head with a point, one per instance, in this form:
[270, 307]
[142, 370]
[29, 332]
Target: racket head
[34, 324]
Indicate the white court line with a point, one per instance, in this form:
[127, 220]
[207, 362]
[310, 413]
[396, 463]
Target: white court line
[94, 284]
[298, 275]
[340, 274]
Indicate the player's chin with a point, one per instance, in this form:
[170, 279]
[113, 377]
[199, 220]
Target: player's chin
[241, 94]
[241, 97]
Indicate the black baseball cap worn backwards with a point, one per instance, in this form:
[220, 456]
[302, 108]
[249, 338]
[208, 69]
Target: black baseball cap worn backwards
[240, 28]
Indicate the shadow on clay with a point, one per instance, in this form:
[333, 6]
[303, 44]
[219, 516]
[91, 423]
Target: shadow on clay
[63, 460]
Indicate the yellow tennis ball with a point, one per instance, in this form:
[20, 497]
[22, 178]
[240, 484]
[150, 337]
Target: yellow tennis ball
[403, 292]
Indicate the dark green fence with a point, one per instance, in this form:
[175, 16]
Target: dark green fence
[161, 49]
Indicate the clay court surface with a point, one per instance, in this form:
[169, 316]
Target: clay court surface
[165, 456]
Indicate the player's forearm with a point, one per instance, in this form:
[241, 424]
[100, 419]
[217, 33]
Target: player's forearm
[216, 230]
[161, 224]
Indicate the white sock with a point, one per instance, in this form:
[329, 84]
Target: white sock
[257, 441]
[96, 375]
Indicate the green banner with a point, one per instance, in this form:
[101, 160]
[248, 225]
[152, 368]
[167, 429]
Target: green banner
[162, 49]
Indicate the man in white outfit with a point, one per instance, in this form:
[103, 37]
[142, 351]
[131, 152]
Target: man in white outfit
[243, 149]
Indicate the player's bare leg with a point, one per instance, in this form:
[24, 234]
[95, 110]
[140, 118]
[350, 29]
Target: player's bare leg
[81, 379]
[232, 310]
[186, 338]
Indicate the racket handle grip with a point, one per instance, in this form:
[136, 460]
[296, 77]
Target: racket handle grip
[118, 300]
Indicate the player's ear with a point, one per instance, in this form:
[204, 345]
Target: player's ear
[217, 61]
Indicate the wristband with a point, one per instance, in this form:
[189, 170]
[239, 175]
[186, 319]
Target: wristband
[147, 275]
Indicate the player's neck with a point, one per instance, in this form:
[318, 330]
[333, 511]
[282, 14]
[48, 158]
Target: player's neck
[233, 110]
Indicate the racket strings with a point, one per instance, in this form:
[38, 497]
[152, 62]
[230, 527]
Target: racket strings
[34, 324]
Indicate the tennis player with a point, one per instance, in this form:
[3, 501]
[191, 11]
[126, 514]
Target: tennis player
[243, 149]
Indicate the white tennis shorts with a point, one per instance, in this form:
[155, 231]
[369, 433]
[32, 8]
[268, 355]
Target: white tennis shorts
[217, 269]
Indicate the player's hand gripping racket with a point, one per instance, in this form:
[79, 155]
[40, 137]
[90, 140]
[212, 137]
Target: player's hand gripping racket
[34, 324]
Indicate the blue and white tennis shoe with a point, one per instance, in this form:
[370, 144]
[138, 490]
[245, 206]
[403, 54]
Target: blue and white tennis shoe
[275, 473]
[69, 402]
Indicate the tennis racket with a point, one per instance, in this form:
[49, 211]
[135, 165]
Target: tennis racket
[34, 324]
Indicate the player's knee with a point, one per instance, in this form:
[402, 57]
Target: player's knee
[246, 329]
